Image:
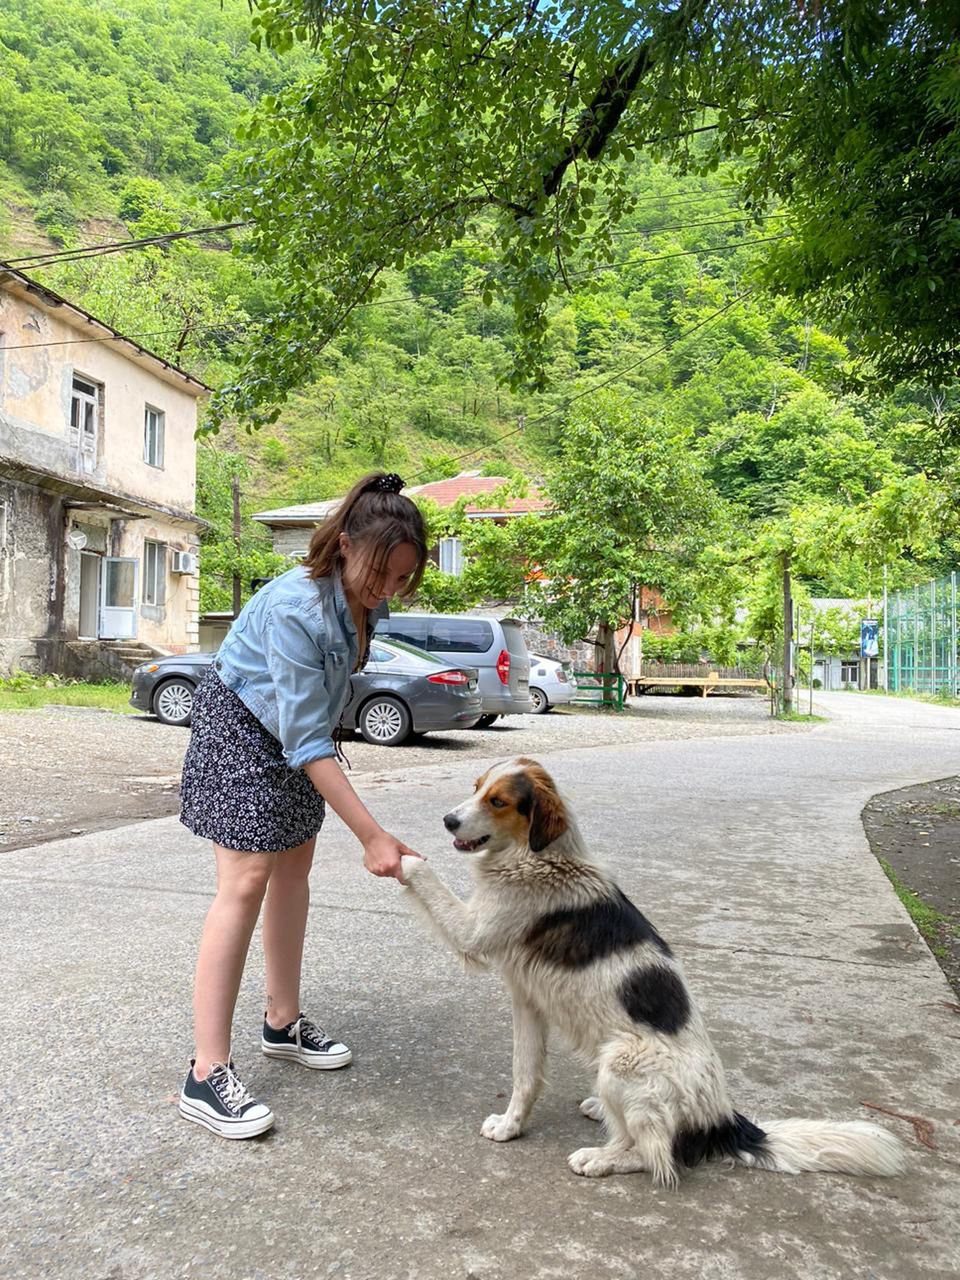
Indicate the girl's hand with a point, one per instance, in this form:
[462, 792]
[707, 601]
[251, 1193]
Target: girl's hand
[382, 854]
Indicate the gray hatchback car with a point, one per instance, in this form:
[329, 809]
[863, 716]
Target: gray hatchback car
[400, 691]
[495, 646]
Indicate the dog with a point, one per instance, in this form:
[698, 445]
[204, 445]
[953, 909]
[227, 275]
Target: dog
[579, 957]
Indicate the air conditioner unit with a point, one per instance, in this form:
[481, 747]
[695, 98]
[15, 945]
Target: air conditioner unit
[184, 562]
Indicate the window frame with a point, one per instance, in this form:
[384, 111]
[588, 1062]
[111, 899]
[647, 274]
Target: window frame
[451, 550]
[159, 438]
[155, 575]
[85, 431]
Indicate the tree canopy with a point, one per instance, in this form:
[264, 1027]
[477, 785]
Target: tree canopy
[417, 117]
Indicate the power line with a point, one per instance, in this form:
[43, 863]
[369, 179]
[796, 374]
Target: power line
[687, 226]
[56, 258]
[624, 265]
[613, 377]
[118, 246]
[94, 250]
[125, 337]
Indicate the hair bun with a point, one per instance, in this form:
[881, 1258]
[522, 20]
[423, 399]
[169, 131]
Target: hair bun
[389, 483]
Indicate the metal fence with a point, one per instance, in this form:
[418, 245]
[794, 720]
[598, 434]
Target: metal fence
[921, 638]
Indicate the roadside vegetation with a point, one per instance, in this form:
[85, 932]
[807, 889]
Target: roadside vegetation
[932, 924]
[25, 692]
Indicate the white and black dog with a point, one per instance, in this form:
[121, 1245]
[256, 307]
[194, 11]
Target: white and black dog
[578, 956]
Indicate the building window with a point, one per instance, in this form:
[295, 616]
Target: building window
[849, 672]
[154, 572]
[153, 429]
[451, 556]
[84, 414]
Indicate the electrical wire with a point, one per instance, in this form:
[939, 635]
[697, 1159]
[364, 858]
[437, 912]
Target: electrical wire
[117, 246]
[625, 265]
[56, 257]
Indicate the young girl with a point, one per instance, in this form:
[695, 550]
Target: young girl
[259, 768]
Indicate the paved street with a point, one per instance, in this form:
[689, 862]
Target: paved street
[90, 769]
[748, 853]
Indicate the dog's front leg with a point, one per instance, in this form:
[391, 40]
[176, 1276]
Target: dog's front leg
[529, 1057]
[451, 918]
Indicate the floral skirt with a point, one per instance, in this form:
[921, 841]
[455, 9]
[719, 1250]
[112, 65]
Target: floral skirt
[237, 789]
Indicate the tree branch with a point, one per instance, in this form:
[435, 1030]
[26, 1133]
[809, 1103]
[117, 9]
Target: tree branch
[602, 115]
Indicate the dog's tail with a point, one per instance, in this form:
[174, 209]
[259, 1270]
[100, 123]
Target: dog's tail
[824, 1146]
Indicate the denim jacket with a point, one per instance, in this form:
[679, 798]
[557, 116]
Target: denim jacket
[289, 657]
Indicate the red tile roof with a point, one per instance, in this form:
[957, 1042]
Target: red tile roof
[470, 485]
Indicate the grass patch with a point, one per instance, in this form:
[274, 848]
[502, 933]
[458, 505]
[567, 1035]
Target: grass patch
[25, 692]
[800, 717]
[930, 922]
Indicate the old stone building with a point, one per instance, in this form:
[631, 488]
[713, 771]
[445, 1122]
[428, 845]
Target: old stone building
[98, 529]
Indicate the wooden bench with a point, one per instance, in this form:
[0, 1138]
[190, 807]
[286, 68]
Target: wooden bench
[710, 683]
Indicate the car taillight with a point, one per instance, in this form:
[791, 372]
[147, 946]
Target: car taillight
[449, 677]
[562, 677]
[503, 667]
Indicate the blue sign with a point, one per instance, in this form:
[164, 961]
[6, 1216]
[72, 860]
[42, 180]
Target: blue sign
[869, 638]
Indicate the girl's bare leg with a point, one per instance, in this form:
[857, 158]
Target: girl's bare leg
[241, 883]
[284, 926]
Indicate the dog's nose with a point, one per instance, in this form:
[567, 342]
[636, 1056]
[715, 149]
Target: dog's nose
[451, 822]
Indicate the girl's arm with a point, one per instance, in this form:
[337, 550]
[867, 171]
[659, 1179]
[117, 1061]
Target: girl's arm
[381, 851]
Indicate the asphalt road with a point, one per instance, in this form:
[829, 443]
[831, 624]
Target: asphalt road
[748, 853]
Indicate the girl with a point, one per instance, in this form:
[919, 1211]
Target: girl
[259, 768]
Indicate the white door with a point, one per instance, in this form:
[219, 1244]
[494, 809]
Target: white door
[89, 592]
[118, 598]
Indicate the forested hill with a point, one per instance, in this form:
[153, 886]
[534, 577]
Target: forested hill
[115, 119]
[94, 92]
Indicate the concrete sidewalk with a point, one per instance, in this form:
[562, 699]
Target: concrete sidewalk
[746, 852]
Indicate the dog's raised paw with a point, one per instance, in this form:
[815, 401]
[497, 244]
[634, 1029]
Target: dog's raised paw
[500, 1129]
[592, 1108]
[590, 1162]
[410, 866]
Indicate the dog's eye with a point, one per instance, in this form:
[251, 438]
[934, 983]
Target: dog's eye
[497, 802]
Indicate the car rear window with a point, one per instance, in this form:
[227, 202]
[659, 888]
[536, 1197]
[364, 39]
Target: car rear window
[400, 627]
[459, 635]
[439, 634]
[401, 647]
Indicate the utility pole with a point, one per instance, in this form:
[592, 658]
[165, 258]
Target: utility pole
[787, 635]
[237, 581]
[886, 634]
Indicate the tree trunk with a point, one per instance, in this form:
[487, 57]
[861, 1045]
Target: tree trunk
[788, 676]
[606, 647]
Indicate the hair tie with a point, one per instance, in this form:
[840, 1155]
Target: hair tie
[390, 483]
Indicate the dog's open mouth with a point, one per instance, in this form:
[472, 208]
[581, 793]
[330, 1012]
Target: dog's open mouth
[468, 846]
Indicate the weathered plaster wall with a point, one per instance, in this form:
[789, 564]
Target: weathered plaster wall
[35, 389]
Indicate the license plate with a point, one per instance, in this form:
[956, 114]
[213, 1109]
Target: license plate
[523, 684]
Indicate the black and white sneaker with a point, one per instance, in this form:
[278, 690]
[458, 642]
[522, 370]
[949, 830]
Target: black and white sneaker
[304, 1042]
[222, 1103]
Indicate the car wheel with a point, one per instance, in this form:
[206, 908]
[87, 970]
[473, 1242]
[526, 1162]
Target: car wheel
[485, 722]
[384, 721]
[173, 701]
[539, 700]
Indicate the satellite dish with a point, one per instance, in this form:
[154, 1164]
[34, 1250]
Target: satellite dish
[77, 539]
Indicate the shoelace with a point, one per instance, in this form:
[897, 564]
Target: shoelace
[304, 1029]
[228, 1086]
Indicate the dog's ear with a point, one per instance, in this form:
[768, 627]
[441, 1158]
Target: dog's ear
[548, 817]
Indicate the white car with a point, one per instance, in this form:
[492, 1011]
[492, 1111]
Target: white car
[550, 685]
